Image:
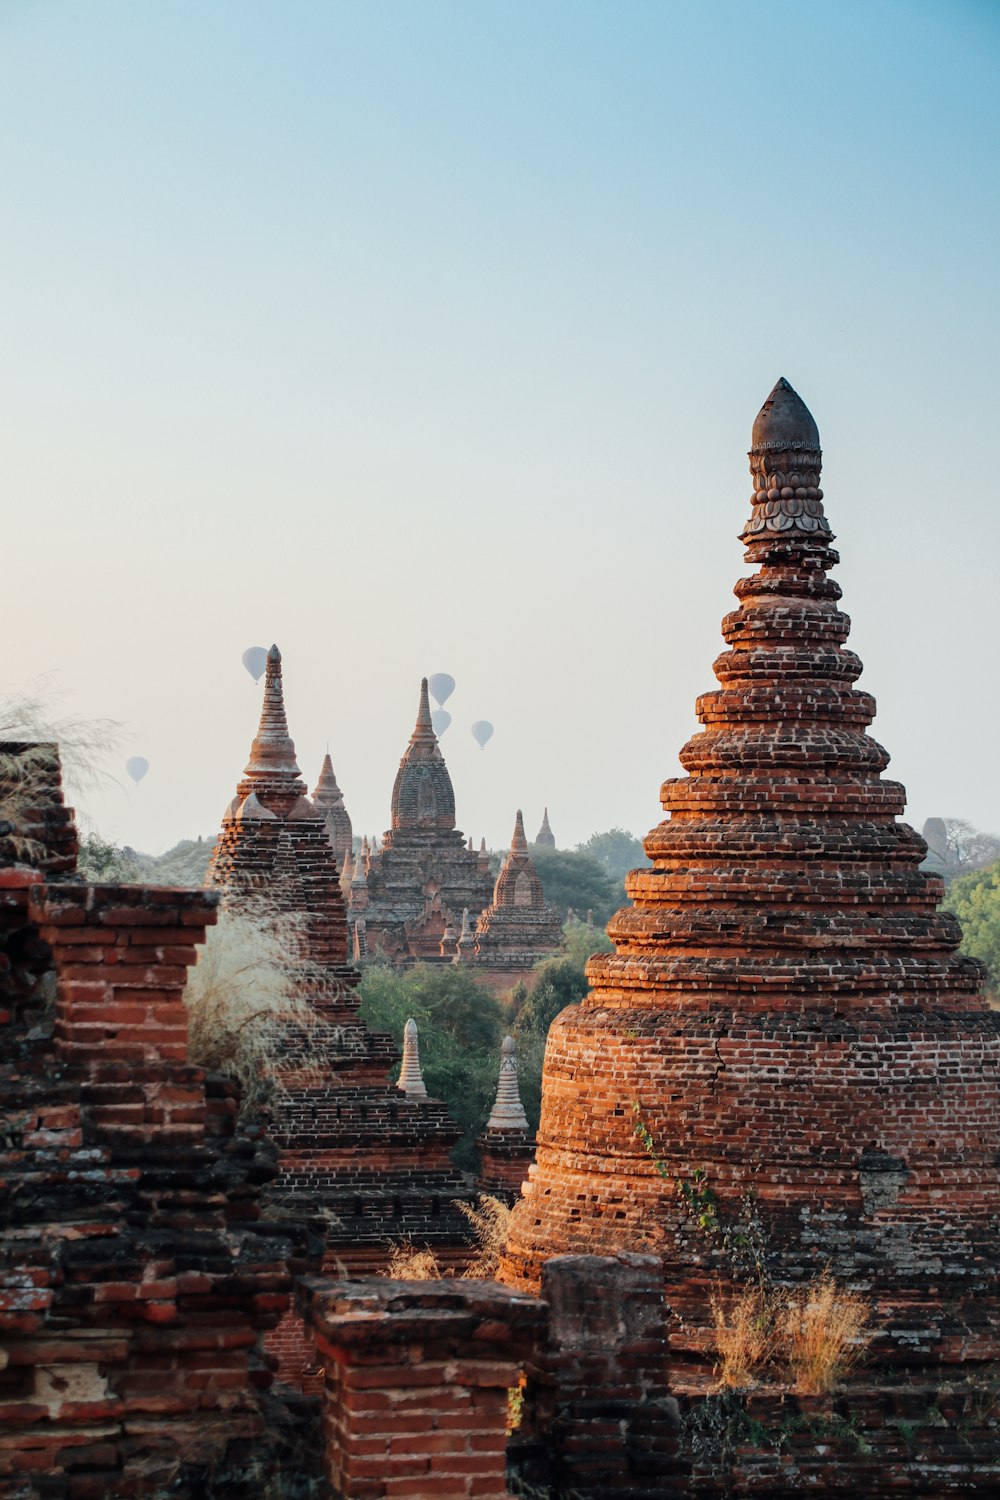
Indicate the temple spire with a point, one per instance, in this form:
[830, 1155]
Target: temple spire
[508, 1111]
[423, 730]
[518, 843]
[273, 752]
[545, 836]
[327, 791]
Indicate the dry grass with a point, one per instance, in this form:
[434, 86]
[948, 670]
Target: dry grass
[747, 1332]
[825, 1334]
[243, 994]
[490, 1222]
[30, 775]
[408, 1262]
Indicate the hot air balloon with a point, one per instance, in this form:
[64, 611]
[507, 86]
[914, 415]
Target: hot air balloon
[255, 661]
[442, 685]
[137, 766]
[440, 718]
[482, 732]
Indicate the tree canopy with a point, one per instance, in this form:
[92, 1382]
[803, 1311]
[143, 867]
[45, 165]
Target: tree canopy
[975, 900]
[578, 880]
[617, 851]
[460, 1026]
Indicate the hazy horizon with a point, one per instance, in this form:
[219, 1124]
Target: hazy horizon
[422, 338]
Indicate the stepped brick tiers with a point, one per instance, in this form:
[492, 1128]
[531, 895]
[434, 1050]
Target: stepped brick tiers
[373, 1161]
[137, 1277]
[517, 928]
[423, 876]
[785, 1007]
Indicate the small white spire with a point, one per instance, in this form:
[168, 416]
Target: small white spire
[410, 1079]
[508, 1111]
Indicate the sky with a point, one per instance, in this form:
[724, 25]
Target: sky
[428, 337]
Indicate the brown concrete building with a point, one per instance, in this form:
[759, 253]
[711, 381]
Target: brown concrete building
[422, 878]
[785, 1007]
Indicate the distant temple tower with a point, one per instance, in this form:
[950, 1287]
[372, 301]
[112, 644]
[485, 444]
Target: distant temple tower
[545, 836]
[423, 876]
[785, 1007]
[517, 928]
[328, 799]
[350, 1143]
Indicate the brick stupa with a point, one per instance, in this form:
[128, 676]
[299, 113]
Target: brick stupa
[352, 1147]
[423, 876]
[784, 1004]
[517, 928]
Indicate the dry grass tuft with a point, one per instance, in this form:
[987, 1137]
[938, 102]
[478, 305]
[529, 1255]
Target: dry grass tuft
[407, 1262]
[490, 1222]
[825, 1334]
[243, 993]
[747, 1332]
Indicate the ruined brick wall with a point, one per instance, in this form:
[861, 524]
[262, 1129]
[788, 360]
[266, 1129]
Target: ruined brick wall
[597, 1416]
[416, 1383]
[136, 1279]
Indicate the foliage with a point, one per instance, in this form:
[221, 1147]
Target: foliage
[967, 848]
[490, 1221]
[818, 1332]
[825, 1333]
[747, 1331]
[241, 995]
[28, 775]
[617, 851]
[975, 900]
[572, 879]
[104, 863]
[460, 1026]
[410, 1262]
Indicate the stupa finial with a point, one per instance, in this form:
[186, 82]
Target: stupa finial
[273, 751]
[508, 1111]
[518, 843]
[411, 1080]
[785, 460]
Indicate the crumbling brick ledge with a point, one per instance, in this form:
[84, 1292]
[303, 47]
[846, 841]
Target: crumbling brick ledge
[417, 1376]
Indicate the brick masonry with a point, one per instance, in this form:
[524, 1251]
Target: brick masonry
[785, 1004]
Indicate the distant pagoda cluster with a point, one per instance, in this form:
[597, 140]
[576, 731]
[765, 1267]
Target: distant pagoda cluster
[425, 894]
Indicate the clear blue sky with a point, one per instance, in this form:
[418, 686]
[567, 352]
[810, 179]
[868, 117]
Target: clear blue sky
[428, 336]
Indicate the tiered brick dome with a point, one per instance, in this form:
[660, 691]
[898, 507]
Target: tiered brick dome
[784, 1003]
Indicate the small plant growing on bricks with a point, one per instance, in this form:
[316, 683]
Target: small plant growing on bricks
[812, 1336]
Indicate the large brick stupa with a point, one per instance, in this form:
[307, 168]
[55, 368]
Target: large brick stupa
[785, 1004]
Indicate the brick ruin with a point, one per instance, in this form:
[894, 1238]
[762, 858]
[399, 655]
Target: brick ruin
[517, 928]
[374, 1162]
[416, 886]
[137, 1276]
[785, 1010]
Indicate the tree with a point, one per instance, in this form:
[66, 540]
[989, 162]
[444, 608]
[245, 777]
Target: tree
[954, 847]
[577, 880]
[617, 851]
[460, 1026]
[975, 900]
